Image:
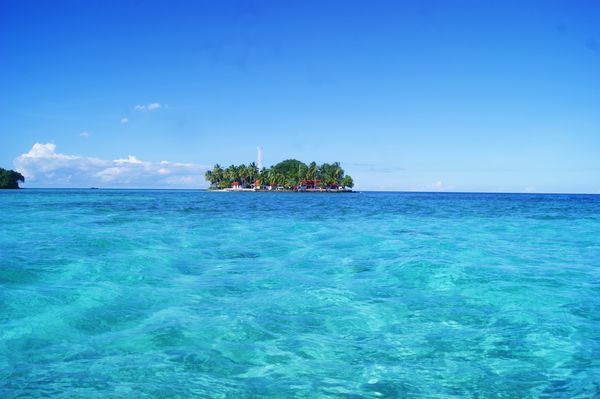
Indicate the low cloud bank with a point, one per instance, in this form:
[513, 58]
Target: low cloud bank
[42, 166]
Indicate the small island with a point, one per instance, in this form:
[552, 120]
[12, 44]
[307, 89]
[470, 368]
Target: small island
[9, 179]
[288, 175]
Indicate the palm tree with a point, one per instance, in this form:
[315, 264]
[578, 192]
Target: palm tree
[347, 181]
[263, 175]
[252, 173]
[324, 174]
[312, 172]
[227, 173]
[272, 177]
[337, 172]
[218, 173]
[232, 173]
[210, 177]
[302, 173]
[242, 174]
[280, 179]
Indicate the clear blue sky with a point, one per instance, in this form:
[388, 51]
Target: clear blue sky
[422, 95]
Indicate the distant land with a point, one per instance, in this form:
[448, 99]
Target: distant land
[9, 179]
[288, 175]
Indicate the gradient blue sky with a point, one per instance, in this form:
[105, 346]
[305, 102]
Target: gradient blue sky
[422, 95]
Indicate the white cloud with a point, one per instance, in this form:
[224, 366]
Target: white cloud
[440, 186]
[130, 159]
[147, 107]
[432, 187]
[42, 166]
[124, 120]
[85, 134]
[153, 106]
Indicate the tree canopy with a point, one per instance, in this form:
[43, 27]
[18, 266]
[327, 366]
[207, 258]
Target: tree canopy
[290, 174]
[10, 178]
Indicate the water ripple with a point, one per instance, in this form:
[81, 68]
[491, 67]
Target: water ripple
[191, 294]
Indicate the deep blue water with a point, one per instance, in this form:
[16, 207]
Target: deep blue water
[165, 294]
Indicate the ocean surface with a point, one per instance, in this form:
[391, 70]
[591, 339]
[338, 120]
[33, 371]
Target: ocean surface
[176, 294]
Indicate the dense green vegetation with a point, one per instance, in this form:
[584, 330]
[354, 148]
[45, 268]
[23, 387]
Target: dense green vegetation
[10, 178]
[290, 174]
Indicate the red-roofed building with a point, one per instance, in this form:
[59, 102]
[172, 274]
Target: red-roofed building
[236, 185]
[310, 184]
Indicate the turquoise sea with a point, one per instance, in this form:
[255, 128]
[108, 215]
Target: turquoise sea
[176, 294]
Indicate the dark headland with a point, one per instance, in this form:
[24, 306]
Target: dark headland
[9, 179]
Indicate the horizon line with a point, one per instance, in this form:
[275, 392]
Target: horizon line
[354, 191]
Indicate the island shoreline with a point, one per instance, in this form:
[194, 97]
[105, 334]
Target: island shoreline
[244, 190]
